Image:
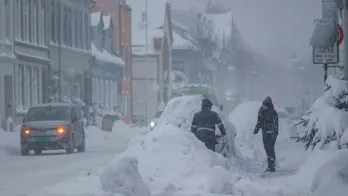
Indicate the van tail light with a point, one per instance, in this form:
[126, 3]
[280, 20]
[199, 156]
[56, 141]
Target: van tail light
[26, 131]
[218, 137]
[61, 130]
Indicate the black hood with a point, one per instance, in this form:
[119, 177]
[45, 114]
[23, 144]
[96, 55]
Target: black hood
[268, 102]
[206, 104]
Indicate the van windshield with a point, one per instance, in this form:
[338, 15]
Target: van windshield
[48, 114]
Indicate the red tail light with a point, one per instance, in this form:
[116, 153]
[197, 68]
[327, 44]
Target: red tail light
[218, 137]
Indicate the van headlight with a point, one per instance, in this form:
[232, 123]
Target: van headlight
[152, 124]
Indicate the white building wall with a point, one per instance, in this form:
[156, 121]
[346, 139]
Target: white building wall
[144, 86]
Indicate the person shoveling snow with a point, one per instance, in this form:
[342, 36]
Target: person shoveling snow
[268, 121]
[203, 125]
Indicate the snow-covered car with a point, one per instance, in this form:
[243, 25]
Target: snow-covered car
[153, 121]
[180, 111]
[285, 122]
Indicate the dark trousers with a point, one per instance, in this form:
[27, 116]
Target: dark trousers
[208, 138]
[269, 143]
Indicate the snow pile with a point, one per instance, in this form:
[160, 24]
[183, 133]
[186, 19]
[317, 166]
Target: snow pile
[121, 176]
[172, 160]
[219, 181]
[7, 142]
[326, 120]
[332, 177]
[244, 118]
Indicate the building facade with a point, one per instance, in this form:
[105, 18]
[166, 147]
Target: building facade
[69, 46]
[7, 62]
[31, 31]
[120, 14]
[106, 68]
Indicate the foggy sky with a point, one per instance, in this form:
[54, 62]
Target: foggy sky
[277, 28]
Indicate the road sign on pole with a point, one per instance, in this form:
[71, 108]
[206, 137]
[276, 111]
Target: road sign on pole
[327, 55]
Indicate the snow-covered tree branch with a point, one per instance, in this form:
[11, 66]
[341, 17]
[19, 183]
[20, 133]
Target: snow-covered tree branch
[327, 119]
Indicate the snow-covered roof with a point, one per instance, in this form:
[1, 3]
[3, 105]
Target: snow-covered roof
[179, 25]
[95, 18]
[106, 20]
[181, 43]
[156, 15]
[105, 56]
[222, 25]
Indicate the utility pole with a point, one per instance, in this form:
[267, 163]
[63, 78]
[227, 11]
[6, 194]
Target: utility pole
[59, 51]
[146, 29]
[345, 35]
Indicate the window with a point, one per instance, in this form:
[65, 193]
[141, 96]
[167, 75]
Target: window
[8, 20]
[69, 29]
[35, 86]
[20, 85]
[143, 17]
[30, 21]
[65, 26]
[25, 19]
[49, 114]
[18, 18]
[27, 86]
[80, 31]
[76, 29]
[35, 22]
[87, 40]
[122, 19]
[53, 21]
[43, 22]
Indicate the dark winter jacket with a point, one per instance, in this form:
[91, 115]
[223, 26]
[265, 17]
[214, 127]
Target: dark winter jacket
[205, 120]
[267, 120]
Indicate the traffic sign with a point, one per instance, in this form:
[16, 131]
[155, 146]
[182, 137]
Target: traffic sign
[340, 34]
[326, 55]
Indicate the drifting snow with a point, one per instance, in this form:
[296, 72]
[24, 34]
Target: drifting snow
[172, 160]
[121, 176]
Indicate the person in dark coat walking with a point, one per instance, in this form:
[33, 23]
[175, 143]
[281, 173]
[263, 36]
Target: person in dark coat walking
[268, 121]
[203, 125]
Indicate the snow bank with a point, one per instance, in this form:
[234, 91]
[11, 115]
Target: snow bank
[121, 176]
[219, 181]
[332, 177]
[9, 143]
[172, 160]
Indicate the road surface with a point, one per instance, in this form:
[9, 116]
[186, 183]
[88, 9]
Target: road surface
[25, 175]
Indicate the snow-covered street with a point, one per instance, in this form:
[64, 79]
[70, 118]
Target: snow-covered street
[31, 175]
[167, 161]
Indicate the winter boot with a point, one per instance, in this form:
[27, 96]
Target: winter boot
[270, 170]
